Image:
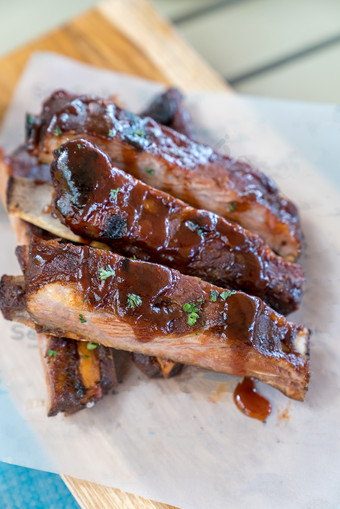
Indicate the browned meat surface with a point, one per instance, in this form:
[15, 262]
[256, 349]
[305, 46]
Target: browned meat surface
[12, 300]
[150, 309]
[171, 162]
[101, 202]
[154, 367]
[168, 109]
[76, 376]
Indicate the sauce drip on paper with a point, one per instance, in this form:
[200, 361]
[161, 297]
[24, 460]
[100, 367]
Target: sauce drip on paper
[250, 402]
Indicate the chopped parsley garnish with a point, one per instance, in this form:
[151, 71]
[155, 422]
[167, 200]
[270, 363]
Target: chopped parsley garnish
[59, 150]
[214, 294]
[79, 146]
[84, 300]
[193, 227]
[30, 119]
[91, 346]
[114, 193]
[52, 353]
[82, 319]
[133, 300]
[192, 310]
[57, 131]
[224, 295]
[86, 356]
[138, 132]
[149, 170]
[104, 274]
[111, 133]
[233, 206]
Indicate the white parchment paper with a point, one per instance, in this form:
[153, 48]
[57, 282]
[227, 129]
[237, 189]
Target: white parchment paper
[183, 441]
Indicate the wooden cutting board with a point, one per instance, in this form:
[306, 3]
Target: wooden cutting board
[131, 37]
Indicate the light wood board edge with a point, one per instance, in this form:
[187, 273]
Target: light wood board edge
[162, 45]
[90, 495]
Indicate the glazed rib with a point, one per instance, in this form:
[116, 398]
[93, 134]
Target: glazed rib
[171, 162]
[98, 201]
[150, 309]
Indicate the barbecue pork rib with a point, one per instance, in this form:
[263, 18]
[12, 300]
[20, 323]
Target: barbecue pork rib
[171, 162]
[153, 310]
[101, 202]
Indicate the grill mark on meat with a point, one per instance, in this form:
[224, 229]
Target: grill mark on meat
[240, 335]
[188, 170]
[115, 228]
[139, 220]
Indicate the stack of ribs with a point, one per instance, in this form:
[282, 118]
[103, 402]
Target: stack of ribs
[136, 237]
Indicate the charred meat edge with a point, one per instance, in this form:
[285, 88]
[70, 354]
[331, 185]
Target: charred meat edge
[171, 162]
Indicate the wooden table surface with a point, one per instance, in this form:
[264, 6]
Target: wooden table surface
[128, 36]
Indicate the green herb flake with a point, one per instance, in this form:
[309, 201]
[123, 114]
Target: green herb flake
[82, 319]
[79, 146]
[114, 193]
[138, 132]
[57, 131]
[233, 206]
[59, 150]
[91, 346]
[84, 300]
[105, 273]
[111, 133]
[192, 310]
[192, 318]
[52, 353]
[214, 295]
[30, 119]
[86, 356]
[149, 170]
[133, 300]
[224, 295]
